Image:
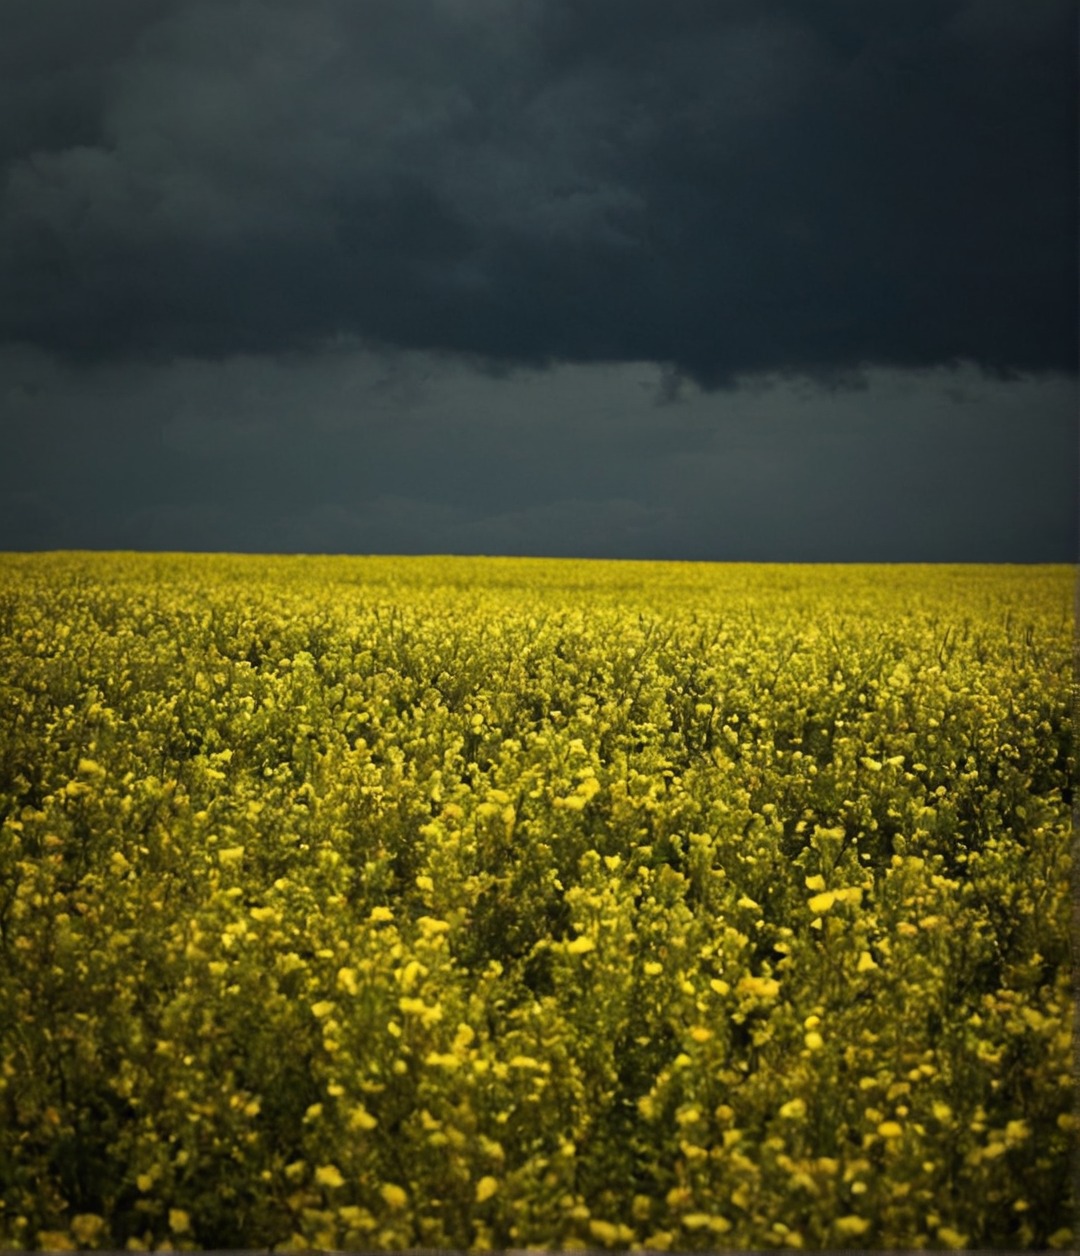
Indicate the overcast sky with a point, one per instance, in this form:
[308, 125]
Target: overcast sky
[708, 279]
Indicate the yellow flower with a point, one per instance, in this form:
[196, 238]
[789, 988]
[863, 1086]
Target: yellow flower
[851, 1226]
[1017, 1132]
[410, 974]
[393, 1195]
[795, 1109]
[329, 1175]
[54, 1241]
[118, 863]
[355, 1217]
[704, 1220]
[604, 1231]
[821, 902]
[866, 962]
[695, 1220]
[361, 1119]
[485, 1188]
[179, 1221]
[763, 987]
[346, 980]
[87, 1226]
[890, 1129]
[952, 1238]
[816, 882]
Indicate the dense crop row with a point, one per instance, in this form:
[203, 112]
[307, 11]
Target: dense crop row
[451, 903]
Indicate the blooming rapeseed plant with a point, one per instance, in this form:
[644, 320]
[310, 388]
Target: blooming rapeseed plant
[382, 904]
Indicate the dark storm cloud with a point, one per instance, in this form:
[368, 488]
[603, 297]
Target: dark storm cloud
[355, 452]
[728, 187]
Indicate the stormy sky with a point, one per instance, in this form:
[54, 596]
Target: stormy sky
[787, 280]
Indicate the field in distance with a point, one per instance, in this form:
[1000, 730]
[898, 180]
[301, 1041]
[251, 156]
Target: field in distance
[377, 903]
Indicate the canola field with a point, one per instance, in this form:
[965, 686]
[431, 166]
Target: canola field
[376, 903]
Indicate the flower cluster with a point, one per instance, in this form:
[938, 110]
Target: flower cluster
[487, 903]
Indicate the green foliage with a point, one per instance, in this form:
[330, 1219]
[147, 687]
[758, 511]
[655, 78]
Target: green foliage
[390, 903]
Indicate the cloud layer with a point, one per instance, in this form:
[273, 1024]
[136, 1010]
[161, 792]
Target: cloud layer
[727, 188]
[350, 451]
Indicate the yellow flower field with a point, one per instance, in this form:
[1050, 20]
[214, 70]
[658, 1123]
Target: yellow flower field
[481, 903]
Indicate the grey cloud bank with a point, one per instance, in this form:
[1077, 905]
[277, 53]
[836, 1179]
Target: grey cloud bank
[782, 279]
[727, 187]
[352, 451]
